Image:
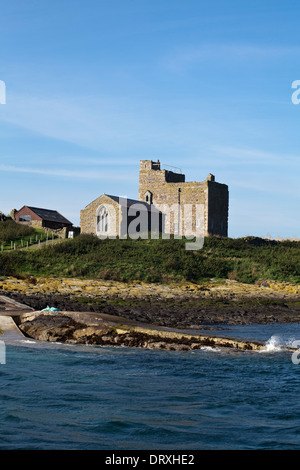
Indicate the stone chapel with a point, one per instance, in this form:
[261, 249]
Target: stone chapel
[178, 207]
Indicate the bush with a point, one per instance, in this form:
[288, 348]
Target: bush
[10, 230]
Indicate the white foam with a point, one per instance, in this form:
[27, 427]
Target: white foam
[273, 344]
[209, 348]
[278, 343]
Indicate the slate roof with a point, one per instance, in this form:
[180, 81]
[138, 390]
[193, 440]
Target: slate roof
[49, 215]
[129, 202]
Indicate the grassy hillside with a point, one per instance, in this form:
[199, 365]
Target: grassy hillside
[246, 260]
[13, 233]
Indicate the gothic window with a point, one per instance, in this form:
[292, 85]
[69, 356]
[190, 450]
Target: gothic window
[102, 220]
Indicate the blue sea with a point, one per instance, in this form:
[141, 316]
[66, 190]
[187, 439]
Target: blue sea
[79, 397]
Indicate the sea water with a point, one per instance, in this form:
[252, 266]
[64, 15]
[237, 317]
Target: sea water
[79, 397]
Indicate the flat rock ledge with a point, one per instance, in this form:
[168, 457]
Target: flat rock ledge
[69, 327]
[173, 306]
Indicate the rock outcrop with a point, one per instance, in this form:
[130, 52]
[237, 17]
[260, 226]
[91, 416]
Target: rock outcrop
[72, 328]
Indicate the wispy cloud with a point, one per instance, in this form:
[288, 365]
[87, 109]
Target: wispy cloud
[60, 118]
[259, 185]
[81, 174]
[193, 54]
[253, 156]
[98, 122]
[103, 123]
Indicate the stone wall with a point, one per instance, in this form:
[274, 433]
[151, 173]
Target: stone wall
[188, 206]
[88, 216]
[125, 217]
[64, 232]
[206, 200]
[218, 207]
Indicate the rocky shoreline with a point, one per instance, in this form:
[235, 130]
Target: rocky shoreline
[112, 313]
[75, 328]
[177, 306]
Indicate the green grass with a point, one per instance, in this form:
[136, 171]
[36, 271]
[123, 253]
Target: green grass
[14, 234]
[244, 259]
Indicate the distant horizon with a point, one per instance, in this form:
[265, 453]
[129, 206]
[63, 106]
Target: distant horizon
[91, 88]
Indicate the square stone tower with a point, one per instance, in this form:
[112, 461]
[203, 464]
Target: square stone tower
[168, 188]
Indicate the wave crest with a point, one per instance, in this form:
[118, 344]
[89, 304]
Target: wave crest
[278, 343]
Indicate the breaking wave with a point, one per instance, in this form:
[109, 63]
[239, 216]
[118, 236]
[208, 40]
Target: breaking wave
[209, 348]
[278, 343]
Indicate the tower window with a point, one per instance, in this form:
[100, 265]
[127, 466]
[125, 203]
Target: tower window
[149, 197]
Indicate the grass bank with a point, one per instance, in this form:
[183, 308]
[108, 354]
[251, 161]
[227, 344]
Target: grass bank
[245, 260]
[15, 236]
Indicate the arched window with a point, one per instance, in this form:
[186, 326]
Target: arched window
[102, 220]
[149, 197]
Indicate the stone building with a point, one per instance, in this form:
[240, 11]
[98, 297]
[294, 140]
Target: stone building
[111, 216]
[167, 203]
[206, 202]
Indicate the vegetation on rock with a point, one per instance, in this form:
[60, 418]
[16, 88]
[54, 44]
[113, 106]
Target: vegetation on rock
[159, 261]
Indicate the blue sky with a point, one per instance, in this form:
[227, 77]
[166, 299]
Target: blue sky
[94, 86]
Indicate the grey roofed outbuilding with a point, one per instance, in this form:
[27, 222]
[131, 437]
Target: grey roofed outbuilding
[49, 215]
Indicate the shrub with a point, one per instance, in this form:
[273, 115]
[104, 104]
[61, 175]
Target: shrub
[10, 230]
